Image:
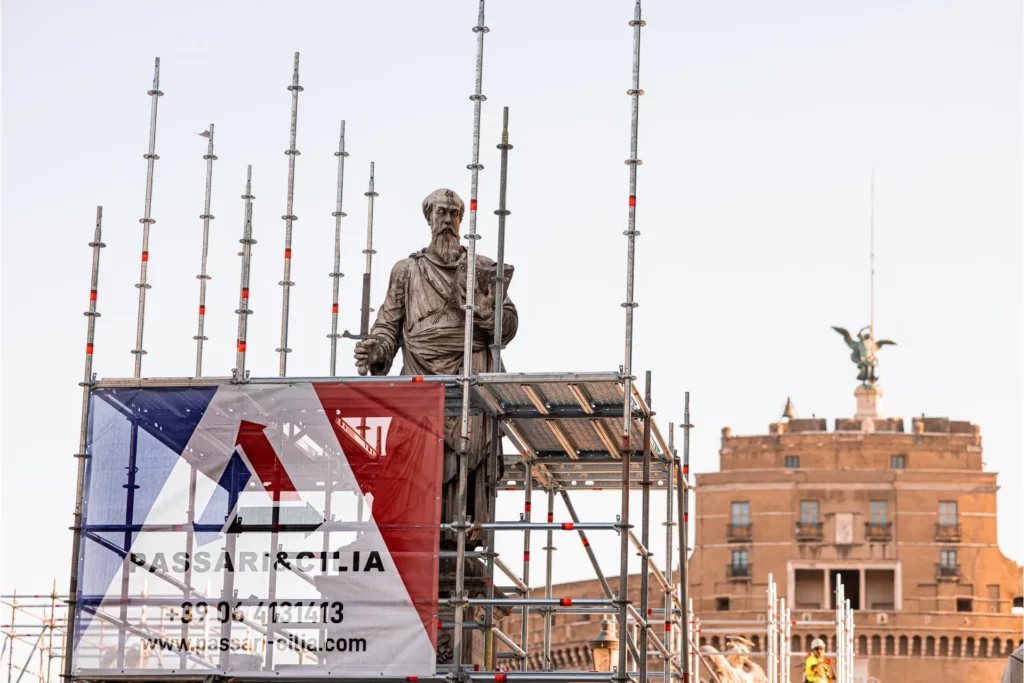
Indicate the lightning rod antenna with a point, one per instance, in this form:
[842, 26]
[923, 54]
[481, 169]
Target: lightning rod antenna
[872, 330]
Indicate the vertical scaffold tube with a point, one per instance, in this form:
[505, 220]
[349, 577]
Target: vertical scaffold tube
[851, 644]
[200, 337]
[668, 571]
[496, 347]
[336, 275]
[243, 297]
[83, 442]
[365, 310]
[49, 645]
[627, 368]
[840, 619]
[190, 538]
[645, 530]
[147, 219]
[781, 635]
[499, 275]
[548, 586]
[289, 218]
[364, 313]
[527, 513]
[683, 475]
[692, 637]
[459, 600]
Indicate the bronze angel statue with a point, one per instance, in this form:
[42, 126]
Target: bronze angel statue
[864, 353]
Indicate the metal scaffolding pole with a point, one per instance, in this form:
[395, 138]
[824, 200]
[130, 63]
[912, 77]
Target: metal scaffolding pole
[627, 368]
[527, 504]
[336, 275]
[459, 600]
[668, 571]
[147, 220]
[496, 366]
[129, 521]
[549, 550]
[83, 437]
[203, 276]
[645, 528]
[692, 641]
[186, 592]
[499, 275]
[365, 310]
[787, 637]
[53, 621]
[840, 628]
[850, 643]
[289, 218]
[243, 310]
[682, 474]
[782, 635]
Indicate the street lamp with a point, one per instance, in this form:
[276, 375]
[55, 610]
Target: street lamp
[605, 646]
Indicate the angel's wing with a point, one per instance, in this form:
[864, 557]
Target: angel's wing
[846, 337]
[882, 342]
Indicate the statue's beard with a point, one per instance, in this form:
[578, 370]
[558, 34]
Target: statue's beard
[445, 245]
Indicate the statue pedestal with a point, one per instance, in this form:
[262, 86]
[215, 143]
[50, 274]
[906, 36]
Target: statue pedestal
[867, 407]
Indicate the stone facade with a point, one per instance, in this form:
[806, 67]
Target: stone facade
[906, 521]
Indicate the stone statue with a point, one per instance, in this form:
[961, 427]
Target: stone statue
[733, 665]
[865, 350]
[422, 315]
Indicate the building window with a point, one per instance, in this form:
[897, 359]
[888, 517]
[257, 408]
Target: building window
[740, 559]
[947, 513]
[947, 559]
[808, 512]
[898, 462]
[793, 461]
[964, 605]
[722, 604]
[879, 512]
[741, 514]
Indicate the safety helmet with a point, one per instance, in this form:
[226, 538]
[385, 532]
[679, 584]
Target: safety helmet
[816, 643]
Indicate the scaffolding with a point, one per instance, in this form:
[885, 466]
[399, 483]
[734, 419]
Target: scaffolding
[777, 627]
[571, 432]
[38, 625]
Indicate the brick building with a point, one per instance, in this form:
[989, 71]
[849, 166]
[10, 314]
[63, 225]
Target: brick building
[907, 522]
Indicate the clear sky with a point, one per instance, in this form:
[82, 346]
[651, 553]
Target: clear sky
[758, 128]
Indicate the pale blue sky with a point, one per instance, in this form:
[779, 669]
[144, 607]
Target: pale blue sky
[758, 129]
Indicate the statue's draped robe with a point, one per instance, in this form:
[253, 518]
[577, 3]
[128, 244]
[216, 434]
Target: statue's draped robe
[422, 315]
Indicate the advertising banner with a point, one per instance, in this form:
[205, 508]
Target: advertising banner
[262, 530]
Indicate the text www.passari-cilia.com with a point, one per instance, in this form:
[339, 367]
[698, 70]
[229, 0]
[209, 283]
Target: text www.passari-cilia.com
[203, 644]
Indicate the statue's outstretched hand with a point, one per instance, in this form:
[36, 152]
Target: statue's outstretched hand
[368, 352]
[485, 306]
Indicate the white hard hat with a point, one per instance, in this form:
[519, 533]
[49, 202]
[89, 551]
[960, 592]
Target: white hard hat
[816, 643]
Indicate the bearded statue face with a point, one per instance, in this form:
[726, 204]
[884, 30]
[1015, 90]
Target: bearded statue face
[445, 218]
[443, 210]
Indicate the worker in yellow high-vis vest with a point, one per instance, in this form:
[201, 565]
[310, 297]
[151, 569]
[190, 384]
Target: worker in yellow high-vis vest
[817, 669]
